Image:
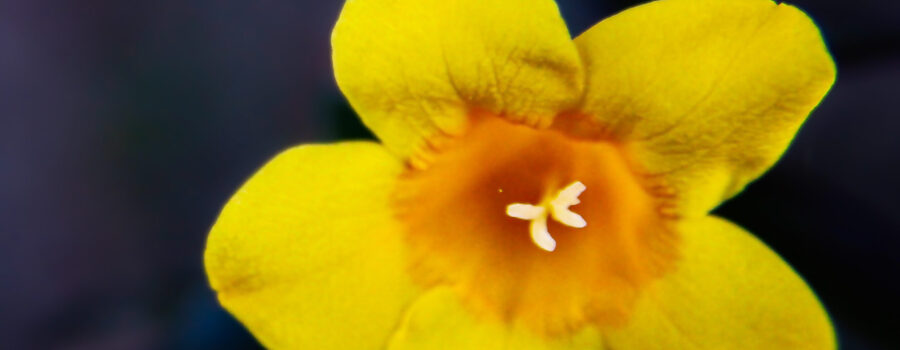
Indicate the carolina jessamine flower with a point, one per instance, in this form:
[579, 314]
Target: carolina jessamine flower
[531, 191]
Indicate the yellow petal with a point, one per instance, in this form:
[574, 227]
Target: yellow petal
[306, 253]
[416, 69]
[438, 320]
[706, 93]
[729, 291]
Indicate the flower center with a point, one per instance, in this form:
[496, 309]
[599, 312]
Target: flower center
[558, 207]
[474, 215]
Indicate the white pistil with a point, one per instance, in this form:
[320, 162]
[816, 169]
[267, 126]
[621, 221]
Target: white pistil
[558, 208]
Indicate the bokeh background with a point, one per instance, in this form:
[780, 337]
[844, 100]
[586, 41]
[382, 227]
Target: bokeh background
[126, 125]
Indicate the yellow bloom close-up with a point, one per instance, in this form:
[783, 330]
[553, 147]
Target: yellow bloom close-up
[531, 191]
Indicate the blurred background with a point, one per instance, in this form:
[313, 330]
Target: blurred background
[125, 126]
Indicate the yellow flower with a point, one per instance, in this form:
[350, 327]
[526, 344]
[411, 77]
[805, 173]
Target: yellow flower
[533, 191]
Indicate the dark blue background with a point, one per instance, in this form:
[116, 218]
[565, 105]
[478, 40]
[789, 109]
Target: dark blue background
[125, 126]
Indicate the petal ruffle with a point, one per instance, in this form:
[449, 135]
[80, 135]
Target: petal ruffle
[706, 93]
[416, 69]
[438, 320]
[307, 254]
[729, 291]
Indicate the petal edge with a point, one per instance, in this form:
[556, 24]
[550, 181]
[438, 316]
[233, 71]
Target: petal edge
[417, 69]
[707, 93]
[308, 249]
[730, 291]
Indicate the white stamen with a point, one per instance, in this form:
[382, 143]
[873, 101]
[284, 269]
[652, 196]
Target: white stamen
[524, 211]
[558, 208]
[539, 234]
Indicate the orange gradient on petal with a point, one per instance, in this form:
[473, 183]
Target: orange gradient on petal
[460, 235]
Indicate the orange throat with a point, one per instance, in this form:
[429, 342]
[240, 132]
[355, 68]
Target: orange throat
[471, 219]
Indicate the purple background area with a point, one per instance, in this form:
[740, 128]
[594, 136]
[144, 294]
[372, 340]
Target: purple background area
[124, 127]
